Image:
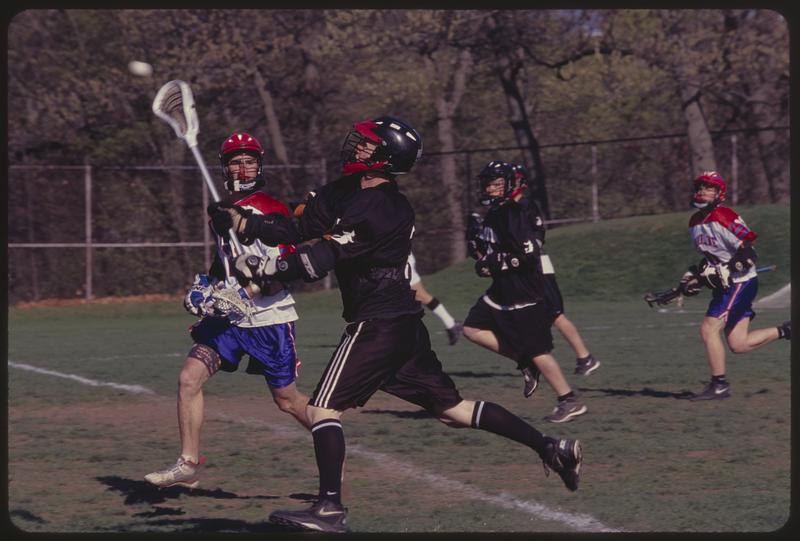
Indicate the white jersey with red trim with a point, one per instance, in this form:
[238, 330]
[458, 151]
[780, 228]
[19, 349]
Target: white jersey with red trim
[718, 234]
[278, 307]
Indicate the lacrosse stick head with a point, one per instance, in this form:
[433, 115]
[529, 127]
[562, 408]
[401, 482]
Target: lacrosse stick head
[174, 104]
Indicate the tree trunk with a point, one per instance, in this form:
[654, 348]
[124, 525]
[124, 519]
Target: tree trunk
[700, 143]
[446, 106]
[508, 74]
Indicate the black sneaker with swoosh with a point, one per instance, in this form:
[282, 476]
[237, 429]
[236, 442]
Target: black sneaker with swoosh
[323, 516]
[713, 391]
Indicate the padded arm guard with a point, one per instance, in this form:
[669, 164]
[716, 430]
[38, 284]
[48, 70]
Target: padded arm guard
[744, 257]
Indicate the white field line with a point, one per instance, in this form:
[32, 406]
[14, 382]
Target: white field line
[579, 522]
[138, 389]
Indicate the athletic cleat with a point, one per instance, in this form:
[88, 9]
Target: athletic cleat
[183, 474]
[454, 333]
[565, 458]
[323, 516]
[531, 377]
[713, 391]
[584, 368]
[785, 330]
[566, 410]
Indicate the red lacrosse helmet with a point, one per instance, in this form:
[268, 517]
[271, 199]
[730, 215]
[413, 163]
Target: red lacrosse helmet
[714, 179]
[236, 144]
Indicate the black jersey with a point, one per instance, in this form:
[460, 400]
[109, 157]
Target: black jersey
[368, 248]
[516, 229]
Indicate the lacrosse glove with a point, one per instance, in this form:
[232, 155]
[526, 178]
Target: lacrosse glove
[496, 262]
[225, 216]
[254, 269]
[744, 258]
[198, 300]
[690, 283]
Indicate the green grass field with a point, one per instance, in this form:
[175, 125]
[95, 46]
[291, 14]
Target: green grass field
[92, 410]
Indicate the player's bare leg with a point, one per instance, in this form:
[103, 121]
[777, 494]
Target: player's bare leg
[195, 372]
[718, 388]
[199, 366]
[570, 333]
[551, 371]
[710, 330]
[742, 340]
[290, 400]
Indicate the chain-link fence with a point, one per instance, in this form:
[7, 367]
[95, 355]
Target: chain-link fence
[73, 233]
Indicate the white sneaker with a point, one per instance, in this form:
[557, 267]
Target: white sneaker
[184, 473]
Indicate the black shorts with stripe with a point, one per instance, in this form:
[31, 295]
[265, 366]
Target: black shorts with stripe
[393, 355]
[524, 332]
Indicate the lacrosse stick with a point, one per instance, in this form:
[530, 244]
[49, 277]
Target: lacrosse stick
[174, 104]
[662, 298]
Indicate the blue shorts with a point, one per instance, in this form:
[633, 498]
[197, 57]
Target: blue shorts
[734, 304]
[271, 346]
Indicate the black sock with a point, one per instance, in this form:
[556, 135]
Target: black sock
[566, 396]
[584, 359]
[433, 304]
[719, 379]
[329, 450]
[498, 420]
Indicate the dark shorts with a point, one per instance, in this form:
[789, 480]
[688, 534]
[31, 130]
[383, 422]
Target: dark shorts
[734, 304]
[392, 355]
[271, 348]
[552, 295]
[524, 332]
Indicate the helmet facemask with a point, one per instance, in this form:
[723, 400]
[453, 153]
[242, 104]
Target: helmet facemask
[239, 181]
[714, 180]
[363, 150]
[491, 172]
[236, 144]
[397, 147]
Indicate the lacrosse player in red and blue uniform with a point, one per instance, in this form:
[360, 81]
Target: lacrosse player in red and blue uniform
[264, 329]
[385, 345]
[728, 267]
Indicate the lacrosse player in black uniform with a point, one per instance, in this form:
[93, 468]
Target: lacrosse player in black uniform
[385, 345]
[585, 362]
[513, 317]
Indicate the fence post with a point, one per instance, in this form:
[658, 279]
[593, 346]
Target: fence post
[595, 204]
[87, 186]
[206, 232]
[734, 172]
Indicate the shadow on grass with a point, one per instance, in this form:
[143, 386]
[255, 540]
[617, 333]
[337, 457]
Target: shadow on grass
[143, 492]
[647, 391]
[471, 374]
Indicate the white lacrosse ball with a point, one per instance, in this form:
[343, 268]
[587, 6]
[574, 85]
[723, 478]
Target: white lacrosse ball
[141, 69]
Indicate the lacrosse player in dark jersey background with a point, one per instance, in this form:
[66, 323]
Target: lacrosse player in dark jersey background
[585, 362]
[513, 317]
[385, 345]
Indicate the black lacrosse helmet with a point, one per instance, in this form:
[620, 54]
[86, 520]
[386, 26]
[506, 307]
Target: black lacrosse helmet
[398, 146]
[491, 171]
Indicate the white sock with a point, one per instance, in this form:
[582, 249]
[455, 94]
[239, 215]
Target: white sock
[442, 313]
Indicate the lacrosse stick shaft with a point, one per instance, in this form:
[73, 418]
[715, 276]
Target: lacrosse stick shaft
[766, 268]
[215, 196]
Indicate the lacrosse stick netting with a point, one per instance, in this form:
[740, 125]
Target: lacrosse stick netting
[174, 104]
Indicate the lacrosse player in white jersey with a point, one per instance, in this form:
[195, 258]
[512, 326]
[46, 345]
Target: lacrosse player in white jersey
[257, 323]
[728, 268]
[452, 326]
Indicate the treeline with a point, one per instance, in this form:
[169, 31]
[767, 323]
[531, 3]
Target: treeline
[297, 79]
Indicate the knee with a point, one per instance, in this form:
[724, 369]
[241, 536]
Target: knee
[189, 382]
[469, 333]
[738, 346]
[284, 404]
